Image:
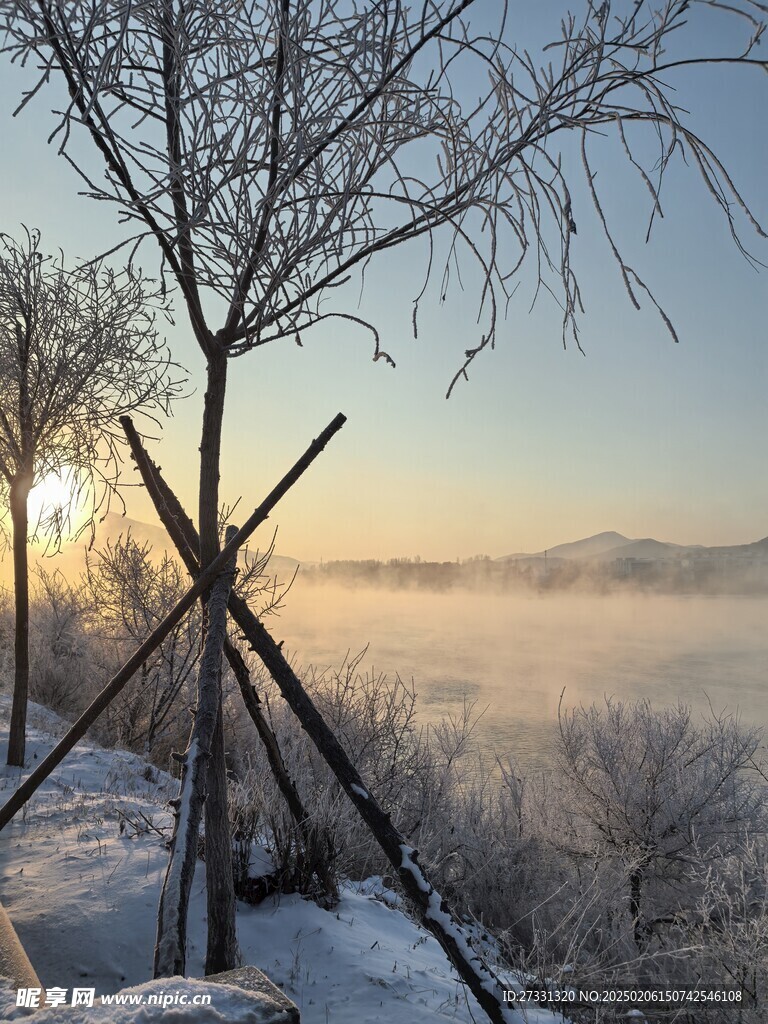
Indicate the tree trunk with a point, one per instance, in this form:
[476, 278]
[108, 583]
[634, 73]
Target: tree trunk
[210, 452]
[635, 895]
[222, 953]
[170, 948]
[19, 492]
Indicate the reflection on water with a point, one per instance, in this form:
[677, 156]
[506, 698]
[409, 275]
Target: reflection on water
[514, 654]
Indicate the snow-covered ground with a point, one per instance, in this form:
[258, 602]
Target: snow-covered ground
[82, 889]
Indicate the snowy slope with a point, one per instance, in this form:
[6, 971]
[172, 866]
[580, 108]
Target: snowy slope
[83, 896]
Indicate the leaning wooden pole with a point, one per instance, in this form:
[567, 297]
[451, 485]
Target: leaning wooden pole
[437, 918]
[182, 532]
[481, 980]
[203, 582]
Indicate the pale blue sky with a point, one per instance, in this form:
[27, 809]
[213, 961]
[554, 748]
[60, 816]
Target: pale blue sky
[541, 446]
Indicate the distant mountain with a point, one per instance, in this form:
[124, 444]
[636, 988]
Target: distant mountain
[587, 548]
[647, 548]
[608, 546]
[656, 549]
[591, 546]
[115, 525]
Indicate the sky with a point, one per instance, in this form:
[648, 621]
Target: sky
[542, 445]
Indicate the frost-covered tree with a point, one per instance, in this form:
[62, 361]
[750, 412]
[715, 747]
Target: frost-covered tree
[657, 791]
[78, 348]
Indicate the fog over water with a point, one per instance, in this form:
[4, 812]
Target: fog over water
[513, 654]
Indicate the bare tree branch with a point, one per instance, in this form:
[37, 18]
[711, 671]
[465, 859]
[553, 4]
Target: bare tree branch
[302, 140]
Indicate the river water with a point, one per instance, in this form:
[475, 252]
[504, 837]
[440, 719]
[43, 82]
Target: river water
[513, 655]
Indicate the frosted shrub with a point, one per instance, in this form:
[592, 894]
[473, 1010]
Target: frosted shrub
[656, 824]
[728, 927]
[271, 851]
[129, 591]
[61, 663]
[653, 790]
[373, 720]
[247, 826]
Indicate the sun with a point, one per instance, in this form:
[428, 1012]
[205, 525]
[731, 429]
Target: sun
[55, 495]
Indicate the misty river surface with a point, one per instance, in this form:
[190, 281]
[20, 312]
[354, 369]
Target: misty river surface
[514, 654]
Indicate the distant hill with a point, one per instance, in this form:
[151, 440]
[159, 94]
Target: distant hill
[115, 525]
[605, 547]
[590, 546]
[587, 548]
[647, 548]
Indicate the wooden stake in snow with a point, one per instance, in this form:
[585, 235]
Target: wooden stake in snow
[170, 948]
